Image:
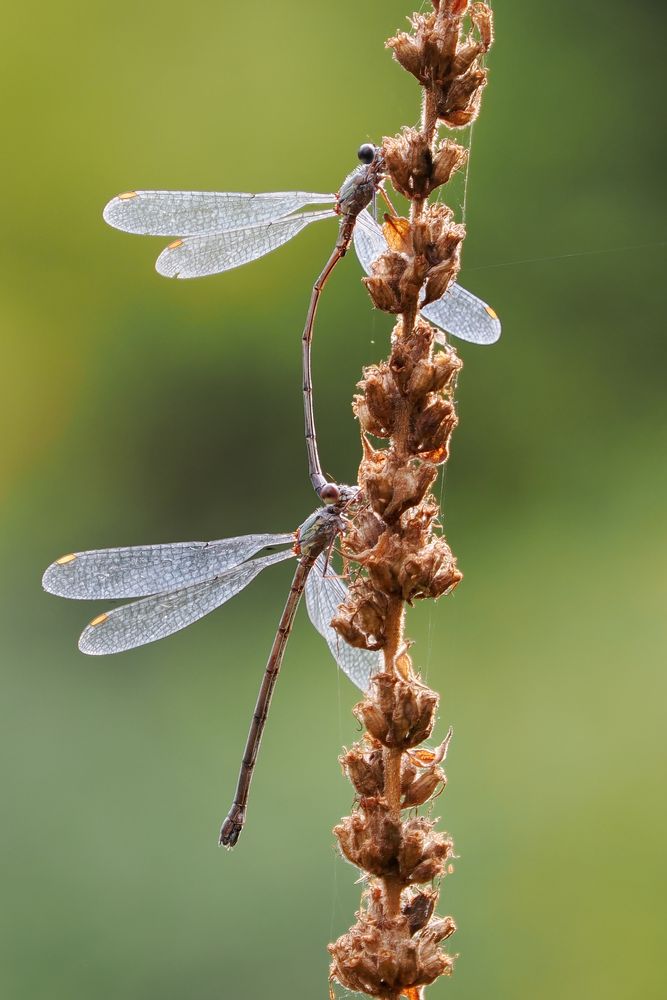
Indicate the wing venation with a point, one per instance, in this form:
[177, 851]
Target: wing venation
[140, 570]
[156, 617]
[189, 213]
[325, 592]
[198, 256]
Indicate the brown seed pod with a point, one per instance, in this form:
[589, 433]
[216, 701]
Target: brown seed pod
[423, 853]
[382, 958]
[418, 907]
[423, 786]
[364, 767]
[385, 280]
[398, 713]
[371, 837]
[361, 618]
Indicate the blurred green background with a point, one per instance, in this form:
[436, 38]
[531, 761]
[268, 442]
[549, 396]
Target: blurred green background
[137, 409]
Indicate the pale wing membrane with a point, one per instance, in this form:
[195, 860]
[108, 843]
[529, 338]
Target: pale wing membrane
[324, 594]
[458, 312]
[156, 617]
[188, 213]
[463, 315]
[369, 241]
[148, 569]
[197, 256]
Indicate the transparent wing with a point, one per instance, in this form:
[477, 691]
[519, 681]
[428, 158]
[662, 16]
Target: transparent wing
[369, 241]
[187, 213]
[196, 256]
[463, 315]
[161, 615]
[458, 312]
[149, 569]
[324, 593]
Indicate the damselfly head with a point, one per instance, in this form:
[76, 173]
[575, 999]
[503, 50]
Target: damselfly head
[367, 152]
[330, 494]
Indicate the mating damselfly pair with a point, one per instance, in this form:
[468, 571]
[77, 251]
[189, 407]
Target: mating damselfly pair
[173, 585]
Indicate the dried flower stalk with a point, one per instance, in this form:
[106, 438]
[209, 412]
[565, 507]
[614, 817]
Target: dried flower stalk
[406, 406]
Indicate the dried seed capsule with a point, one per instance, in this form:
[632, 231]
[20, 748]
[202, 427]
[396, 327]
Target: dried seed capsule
[398, 713]
[423, 786]
[423, 853]
[380, 957]
[365, 769]
[371, 837]
[418, 908]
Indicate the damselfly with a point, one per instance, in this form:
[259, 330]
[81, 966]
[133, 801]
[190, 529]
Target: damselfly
[218, 231]
[179, 583]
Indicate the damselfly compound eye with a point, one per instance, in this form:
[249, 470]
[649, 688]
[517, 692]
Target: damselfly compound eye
[330, 493]
[366, 152]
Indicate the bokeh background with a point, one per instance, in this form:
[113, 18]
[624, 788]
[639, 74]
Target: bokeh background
[137, 409]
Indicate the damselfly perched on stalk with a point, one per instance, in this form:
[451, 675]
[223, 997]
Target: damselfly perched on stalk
[218, 231]
[180, 583]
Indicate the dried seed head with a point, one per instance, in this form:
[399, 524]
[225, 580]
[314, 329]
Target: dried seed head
[376, 408]
[398, 713]
[423, 853]
[448, 158]
[384, 564]
[408, 352]
[429, 572]
[440, 277]
[414, 169]
[430, 234]
[412, 563]
[361, 618]
[363, 765]
[423, 786]
[481, 16]
[384, 284]
[440, 930]
[363, 533]
[433, 430]
[380, 956]
[428, 51]
[408, 49]
[457, 104]
[436, 374]
[438, 237]
[409, 163]
[418, 908]
[371, 837]
[411, 283]
[426, 251]
[393, 487]
[375, 478]
[410, 485]
[438, 55]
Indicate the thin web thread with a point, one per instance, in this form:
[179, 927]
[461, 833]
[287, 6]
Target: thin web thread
[566, 256]
[443, 470]
[335, 859]
[441, 491]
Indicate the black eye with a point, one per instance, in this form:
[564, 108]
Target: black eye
[329, 493]
[366, 152]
